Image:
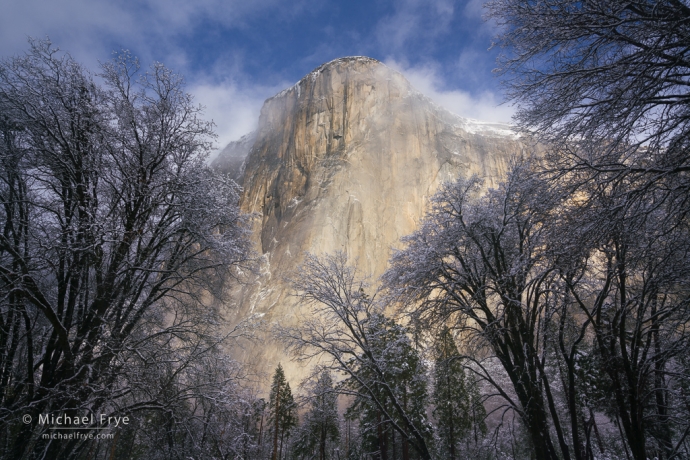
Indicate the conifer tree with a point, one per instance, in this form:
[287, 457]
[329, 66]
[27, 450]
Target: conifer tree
[321, 427]
[385, 373]
[477, 414]
[287, 416]
[276, 401]
[401, 372]
[450, 396]
[457, 403]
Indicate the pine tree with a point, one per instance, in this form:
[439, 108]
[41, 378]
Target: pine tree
[385, 374]
[276, 401]
[321, 427]
[477, 413]
[403, 374]
[456, 398]
[287, 416]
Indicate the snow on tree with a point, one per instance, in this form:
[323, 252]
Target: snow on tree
[116, 239]
[405, 374]
[282, 412]
[604, 85]
[320, 431]
[626, 275]
[612, 73]
[348, 329]
[547, 280]
[477, 261]
[457, 406]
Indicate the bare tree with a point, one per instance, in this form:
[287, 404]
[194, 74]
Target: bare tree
[114, 232]
[349, 333]
[478, 263]
[626, 273]
[612, 71]
[552, 282]
[605, 84]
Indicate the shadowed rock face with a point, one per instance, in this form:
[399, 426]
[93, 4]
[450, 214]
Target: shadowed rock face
[231, 160]
[346, 160]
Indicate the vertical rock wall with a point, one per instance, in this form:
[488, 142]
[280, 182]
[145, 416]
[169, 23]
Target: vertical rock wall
[346, 160]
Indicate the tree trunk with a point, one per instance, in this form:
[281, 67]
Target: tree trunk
[275, 430]
[405, 444]
[596, 431]
[383, 449]
[280, 449]
[261, 427]
[322, 444]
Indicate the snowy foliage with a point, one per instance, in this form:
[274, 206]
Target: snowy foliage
[613, 71]
[319, 433]
[458, 407]
[116, 239]
[383, 372]
[549, 282]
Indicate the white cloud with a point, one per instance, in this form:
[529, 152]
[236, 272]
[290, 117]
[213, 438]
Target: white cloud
[152, 29]
[79, 26]
[234, 107]
[90, 30]
[414, 20]
[482, 105]
[230, 97]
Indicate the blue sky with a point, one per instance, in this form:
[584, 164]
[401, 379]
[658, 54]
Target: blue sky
[236, 53]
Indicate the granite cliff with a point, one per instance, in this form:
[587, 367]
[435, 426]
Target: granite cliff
[346, 160]
[230, 160]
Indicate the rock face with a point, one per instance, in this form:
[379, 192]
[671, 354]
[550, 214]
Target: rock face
[231, 160]
[346, 160]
